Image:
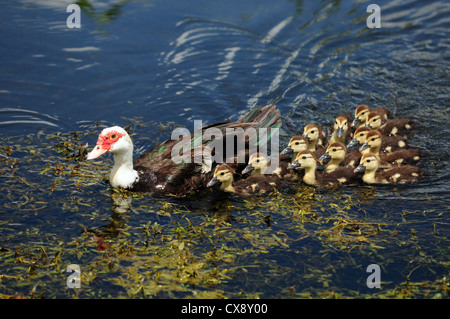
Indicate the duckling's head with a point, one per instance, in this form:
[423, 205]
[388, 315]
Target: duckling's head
[296, 144]
[372, 142]
[311, 132]
[360, 114]
[374, 120]
[359, 137]
[304, 159]
[335, 151]
[257, 162]
[222, 174]
[368, 163]
[340, 126]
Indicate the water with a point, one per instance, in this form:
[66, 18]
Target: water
[156, 64]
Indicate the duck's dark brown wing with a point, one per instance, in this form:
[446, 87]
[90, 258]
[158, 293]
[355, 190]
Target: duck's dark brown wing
[186, 176]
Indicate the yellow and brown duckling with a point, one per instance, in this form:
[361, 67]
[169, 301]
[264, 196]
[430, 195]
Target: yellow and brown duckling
[399, 157]
[342, 132]
[363, 110]
[338, 156]
[256, 185]
[296, 144]
[316, 137]
[388, 127]
[372, 175]
[260, 165]
[388, 144]
[307, 161]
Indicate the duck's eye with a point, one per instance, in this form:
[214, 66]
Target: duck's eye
[312, 132]
[257, 161]
[334, 150]
[373, 138]
[361, 135]
[221, 174]
[304, 157]
[345, 123]
[374, 120]
[362, 113]
[296, 143]
[368, 161]
[336, 122]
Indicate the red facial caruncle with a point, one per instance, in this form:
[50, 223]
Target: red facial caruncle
[104, 144]
[106, 141]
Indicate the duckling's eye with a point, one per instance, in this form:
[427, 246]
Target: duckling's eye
[303, 157]
[222, 173]
[362, 134]
[312, 132]
[373, 138]
[345, 123]
[368, 161]
[257, 161]
[296, 143]
[336, 122]
[363, 113]
[374, 120]
[334, 150]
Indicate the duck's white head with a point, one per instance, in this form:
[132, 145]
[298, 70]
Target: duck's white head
[112, 139]
[117, 141]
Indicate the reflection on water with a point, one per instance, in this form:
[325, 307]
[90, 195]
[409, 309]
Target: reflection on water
[142, 62]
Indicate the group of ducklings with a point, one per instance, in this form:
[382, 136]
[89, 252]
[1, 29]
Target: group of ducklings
[383, 156]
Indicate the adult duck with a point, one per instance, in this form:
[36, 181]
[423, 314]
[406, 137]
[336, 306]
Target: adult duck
[156, 171]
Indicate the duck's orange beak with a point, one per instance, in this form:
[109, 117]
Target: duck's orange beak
[96, 152]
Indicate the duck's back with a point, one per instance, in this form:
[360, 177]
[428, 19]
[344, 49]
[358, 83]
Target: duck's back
[158, 172]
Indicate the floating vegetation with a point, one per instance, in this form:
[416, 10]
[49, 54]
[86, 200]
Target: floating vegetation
[58, 209]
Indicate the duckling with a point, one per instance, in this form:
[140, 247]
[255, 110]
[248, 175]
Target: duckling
[224, 175]
[363, 110]
[316, 138]
[369, 165]
[342, 131]
[307, 161]
[296, 144]
[260, 165]
[388, 143]
[404, 156]
[388, 127]
[339, 156]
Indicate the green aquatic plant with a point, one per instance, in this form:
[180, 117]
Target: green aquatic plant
[56, 210]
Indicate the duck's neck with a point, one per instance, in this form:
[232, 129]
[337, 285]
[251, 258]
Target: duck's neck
[334, 138]
[369, 177]
[227, 186]
[310, 175]
[333, 164]
[123, 175]
[373, 150]
[312, 145]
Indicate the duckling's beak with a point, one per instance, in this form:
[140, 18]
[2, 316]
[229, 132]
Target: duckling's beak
[340, 131]
[294, 165]
[325, 156]
[307, 137]
[364, 147]
[359, 168]
[248, 169]
[212, 182]
[352, 143]
[355, 122]
[287, 150]
[368, 125]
